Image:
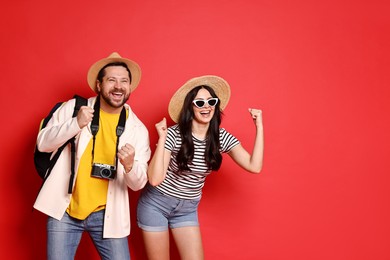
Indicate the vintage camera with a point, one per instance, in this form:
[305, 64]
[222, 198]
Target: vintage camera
[104, 171]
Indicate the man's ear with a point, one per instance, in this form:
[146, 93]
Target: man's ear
[98, 86]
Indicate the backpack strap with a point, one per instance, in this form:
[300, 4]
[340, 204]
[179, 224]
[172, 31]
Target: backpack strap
[80, 101]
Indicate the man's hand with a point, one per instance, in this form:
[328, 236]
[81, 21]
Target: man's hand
[84, 116]
[126, 156]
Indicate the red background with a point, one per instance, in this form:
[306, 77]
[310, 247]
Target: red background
[319, 70]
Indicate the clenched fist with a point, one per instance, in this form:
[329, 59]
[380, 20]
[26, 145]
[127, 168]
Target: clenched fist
[126, 156]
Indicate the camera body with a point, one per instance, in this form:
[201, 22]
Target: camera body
[104, 171]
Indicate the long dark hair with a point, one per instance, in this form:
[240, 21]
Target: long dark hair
[212, 155]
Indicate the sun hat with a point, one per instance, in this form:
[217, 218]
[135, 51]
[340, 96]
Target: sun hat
[114, 57]
[218, 84]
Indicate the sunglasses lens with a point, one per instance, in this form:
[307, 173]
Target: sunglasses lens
[199, 103]
[212, 102]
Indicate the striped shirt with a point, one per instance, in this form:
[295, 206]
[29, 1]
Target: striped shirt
[189, 184]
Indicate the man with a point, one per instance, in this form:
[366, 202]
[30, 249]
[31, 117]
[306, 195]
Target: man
[106, 164]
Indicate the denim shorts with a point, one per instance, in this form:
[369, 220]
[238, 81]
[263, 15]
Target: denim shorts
[157, 211]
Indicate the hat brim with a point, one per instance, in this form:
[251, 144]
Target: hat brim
[114, 57]
[218, 84]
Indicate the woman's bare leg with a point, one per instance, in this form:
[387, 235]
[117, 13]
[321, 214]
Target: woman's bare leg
[189, 242]
[156, 245]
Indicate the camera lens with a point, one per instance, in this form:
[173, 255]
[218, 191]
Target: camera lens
[106, 173]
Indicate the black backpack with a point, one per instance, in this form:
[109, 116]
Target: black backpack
[44, 162]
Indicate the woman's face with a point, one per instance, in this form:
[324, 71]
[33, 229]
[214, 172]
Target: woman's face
[204, 114]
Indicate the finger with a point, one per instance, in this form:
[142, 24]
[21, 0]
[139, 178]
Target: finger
[251, 111]
[255, 113]
[126, 150]
[121, 153]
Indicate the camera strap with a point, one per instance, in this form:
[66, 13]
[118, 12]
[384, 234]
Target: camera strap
[120, 128]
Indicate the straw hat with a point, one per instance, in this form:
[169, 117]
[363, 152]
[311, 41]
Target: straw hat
[114, 57]
[218, 84]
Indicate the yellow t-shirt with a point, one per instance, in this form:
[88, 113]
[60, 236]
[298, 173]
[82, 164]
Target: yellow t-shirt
[90, 193]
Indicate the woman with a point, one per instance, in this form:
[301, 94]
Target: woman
[185, 154]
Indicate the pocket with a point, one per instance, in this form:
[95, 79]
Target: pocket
[195, 202]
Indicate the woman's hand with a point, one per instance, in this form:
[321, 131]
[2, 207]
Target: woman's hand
[161, 128]
[257, 116]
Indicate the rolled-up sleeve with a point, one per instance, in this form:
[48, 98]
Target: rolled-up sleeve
[137, 177]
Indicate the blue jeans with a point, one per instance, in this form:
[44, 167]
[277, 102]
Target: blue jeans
[63, 238]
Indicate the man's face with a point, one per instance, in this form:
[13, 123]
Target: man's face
[114, 88]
